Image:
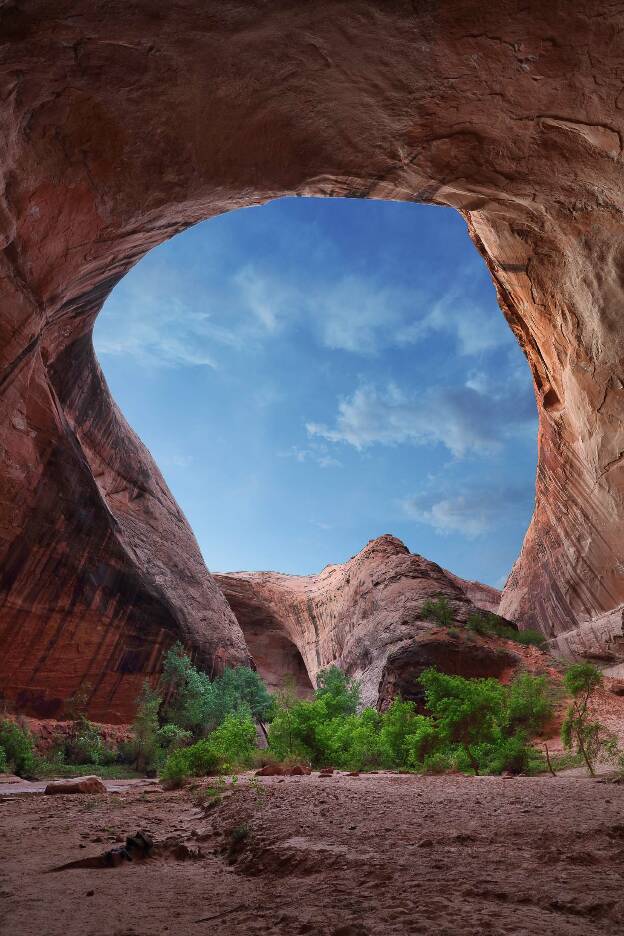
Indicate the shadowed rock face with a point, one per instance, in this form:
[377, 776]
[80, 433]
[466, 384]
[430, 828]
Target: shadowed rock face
[125, 123]
[365, 616]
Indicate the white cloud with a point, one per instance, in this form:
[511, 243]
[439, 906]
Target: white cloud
[154, 318]
[180, 317]
[468, 418]
[316, 452]
[471, 512]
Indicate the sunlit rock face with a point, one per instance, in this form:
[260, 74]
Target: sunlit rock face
[124, 123]
[364, 615]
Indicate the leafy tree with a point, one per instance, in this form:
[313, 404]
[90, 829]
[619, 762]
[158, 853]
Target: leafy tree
[234, 740]
[339, 692]
[467, 712]
[145, 751]
[439, 610]
[352, 742]
[529, 703]
[580, 732]
[398, 726]
[301, 731]
[199, 704]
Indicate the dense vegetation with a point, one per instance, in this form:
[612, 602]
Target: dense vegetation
[194, 726]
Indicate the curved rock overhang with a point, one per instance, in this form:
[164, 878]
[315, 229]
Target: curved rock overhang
[123, 124]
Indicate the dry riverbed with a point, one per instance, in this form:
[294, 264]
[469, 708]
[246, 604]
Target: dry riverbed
[333, 856]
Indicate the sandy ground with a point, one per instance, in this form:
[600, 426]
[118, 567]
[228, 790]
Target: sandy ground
[335, 856]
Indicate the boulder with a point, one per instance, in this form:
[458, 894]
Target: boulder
[78, 785]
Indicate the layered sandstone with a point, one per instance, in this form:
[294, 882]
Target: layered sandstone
[123, 123]
[365, 616]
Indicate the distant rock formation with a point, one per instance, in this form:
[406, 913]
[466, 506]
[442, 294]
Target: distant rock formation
[364, 615]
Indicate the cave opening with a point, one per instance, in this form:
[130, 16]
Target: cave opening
[314, 373]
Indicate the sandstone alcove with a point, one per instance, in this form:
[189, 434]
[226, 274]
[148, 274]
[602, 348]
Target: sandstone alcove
[125, 125]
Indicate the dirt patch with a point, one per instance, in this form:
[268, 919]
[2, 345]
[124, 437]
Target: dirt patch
[335, 856]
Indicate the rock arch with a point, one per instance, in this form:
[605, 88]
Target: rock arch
[124, 123]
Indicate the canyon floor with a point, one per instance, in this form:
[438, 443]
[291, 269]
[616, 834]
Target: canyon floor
[334, 856]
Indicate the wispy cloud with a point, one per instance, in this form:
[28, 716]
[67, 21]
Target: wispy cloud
[316, 452]
[171, 318]
[154, 318]
[474, 417]
[471, 512]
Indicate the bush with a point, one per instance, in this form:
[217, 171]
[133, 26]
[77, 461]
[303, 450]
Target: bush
[298, 731]
[234, 740]
[199, 760]
[475, 724]
[491, 625]
[230, 746]
[351, 742]
[86, 745]
[18, 747]
[326, 730]
[4, 764]
[170, 737]
[439, 610]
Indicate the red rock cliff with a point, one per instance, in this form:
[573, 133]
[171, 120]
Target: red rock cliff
[123, 123]
[364, 615]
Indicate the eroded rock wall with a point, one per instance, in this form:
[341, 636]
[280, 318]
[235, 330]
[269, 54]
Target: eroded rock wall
[364, 615]
[124, 123]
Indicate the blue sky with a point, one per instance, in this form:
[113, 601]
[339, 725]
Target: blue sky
[316, 372]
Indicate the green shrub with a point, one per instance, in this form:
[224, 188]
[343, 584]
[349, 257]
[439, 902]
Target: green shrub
[170, 737]
[326, 730]
[467, 712]
[422, 747]
[18, 747]
[475, 724]
[511, 754]
[199, 760]
[437, 763]
[85, 745]
[530, 637]
[299, 731]
[491, 625]
[439, 610]
[230, 746]
[234, 740]
[351, 742]
[401, 731]
[4, 763]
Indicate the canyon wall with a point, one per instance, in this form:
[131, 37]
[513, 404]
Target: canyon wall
[365, 616]
[122, 124]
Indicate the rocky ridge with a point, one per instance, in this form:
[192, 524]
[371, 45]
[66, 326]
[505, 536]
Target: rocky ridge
[364, 615]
